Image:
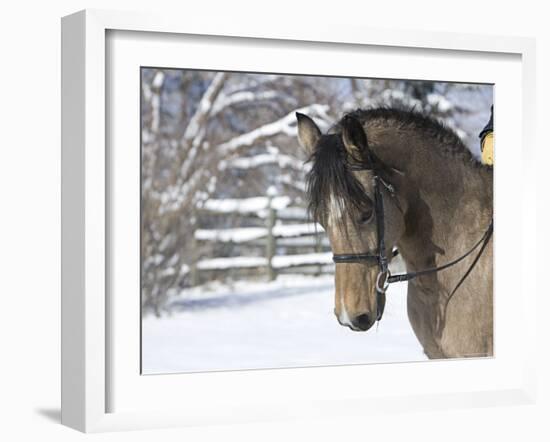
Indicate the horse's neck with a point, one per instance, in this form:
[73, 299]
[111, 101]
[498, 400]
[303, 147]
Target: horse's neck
[449, 206]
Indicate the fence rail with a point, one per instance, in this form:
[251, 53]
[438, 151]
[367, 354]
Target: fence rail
[275, 234]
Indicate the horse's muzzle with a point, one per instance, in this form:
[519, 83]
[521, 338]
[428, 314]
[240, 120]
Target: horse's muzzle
[363, 322]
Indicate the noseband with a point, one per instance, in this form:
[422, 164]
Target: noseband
[384, 277]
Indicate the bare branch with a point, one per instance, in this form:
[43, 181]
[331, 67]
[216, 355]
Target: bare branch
[204, 108]
[240, 97]
[286, 125]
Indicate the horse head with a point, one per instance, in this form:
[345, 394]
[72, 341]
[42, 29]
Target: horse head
[353, 195]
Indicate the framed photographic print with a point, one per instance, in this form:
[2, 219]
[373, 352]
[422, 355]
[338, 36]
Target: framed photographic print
[256, 221]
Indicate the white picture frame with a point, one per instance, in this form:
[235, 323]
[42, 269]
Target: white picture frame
[87, 358]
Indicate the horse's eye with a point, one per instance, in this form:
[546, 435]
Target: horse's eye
[365, 217]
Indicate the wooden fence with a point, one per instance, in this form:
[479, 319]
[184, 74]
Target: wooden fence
[282, 227]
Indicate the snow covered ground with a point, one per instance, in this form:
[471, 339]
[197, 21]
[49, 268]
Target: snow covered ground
[285, 323]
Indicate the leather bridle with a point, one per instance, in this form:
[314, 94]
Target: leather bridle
[384, 277]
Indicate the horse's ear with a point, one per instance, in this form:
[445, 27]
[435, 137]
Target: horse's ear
[354, 137]
[308, 132]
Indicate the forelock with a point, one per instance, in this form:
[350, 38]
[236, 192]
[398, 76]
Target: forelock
[332, 188]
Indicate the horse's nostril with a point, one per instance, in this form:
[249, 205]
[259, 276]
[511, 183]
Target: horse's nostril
[363, 322]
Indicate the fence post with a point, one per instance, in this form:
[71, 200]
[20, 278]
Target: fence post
[194, 259]
[270, 241]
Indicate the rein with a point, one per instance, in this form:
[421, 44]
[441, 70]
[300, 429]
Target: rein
[385, 278]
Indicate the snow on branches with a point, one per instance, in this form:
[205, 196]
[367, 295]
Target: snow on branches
[191, 177]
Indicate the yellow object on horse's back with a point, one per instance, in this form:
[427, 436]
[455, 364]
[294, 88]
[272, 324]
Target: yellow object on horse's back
[487, 149]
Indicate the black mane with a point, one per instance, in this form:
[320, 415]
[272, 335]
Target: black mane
[449, 142]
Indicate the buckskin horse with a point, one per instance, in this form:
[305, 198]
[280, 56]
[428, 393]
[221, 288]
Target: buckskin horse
[385, 180]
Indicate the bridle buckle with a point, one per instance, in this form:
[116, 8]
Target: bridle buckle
[382, 285]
